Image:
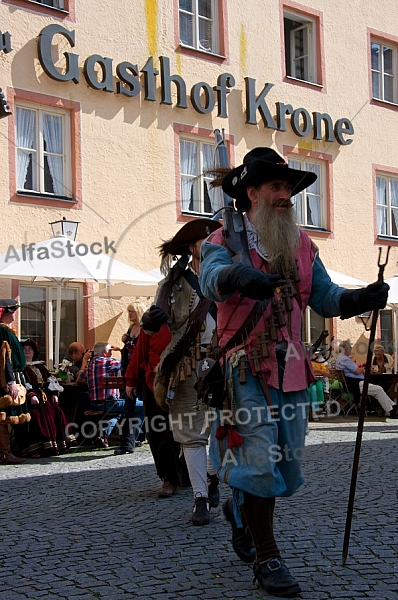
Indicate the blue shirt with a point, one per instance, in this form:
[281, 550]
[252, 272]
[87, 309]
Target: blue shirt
[345, 363]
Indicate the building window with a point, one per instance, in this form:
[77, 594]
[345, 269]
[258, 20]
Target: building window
[387, 205]
[386, 331]
[198, 24]
[197, 197]
[312, 326]
[383, 61]
[37, 317]
[300, 47]
[62, 9]
[53, 3]
[43, 151]
[310, 204]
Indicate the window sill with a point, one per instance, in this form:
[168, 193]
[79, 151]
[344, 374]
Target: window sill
[196, 215]
[303, 82]
[203, 53]
[35, 199]
[384, 103]
[315, 229]
[45, 196]
[387, 239]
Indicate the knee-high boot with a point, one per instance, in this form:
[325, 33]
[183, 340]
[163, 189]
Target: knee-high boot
[6, 457]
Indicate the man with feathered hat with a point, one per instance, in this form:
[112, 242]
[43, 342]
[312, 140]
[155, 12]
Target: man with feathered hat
[191, 320]
[262, 290]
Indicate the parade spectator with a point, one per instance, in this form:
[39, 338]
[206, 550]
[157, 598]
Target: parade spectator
[381, 362]
[355, 374]
[75, 355]
[94, 372]
[45, 434]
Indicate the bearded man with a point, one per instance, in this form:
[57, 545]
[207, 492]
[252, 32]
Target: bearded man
[262, 292]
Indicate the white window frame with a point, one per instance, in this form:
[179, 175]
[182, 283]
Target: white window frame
[50, 308]
[39, 153]
[308, 313]
[308, 25]
[55, 3]
[195, 26]
[380, 72]
[305, 194]
[199, 176]
[386, 207]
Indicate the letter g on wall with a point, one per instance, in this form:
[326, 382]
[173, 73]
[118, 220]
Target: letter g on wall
[46, 37]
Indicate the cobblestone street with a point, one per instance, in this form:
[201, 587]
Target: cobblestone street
[89, 525]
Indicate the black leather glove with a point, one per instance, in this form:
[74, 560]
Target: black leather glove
[250, 282]
[153, 319]
[355, 302]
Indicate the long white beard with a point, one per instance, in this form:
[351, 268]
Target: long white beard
[278, 234]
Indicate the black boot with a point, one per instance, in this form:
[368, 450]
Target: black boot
[274, 577]
[213, 491]
[201, 511]
[242, 543]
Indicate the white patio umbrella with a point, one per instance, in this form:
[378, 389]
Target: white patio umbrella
[345, 280]
[122, 290]
[62, 260]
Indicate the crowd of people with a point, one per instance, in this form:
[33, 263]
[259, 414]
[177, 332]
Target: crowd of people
[218, 361]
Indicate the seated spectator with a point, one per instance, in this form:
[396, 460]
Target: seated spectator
[353, 372]
[45, 435]
[93, 372]
[75, 355]
[318, 388]
[381, 362]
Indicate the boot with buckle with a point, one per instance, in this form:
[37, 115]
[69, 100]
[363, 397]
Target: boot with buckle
[242, 542]
[274, 577]
[213, 491]
[201, 511]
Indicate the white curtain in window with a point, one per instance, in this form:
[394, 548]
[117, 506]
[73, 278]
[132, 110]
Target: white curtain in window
[205, 25]
[208, 162]
[52, 134]
[394, 205]
[188, 166]
[26, 127]
[186, 29]
[314, 206]
[298, 198]
[381, 190]
[381, 200]
[314, 196]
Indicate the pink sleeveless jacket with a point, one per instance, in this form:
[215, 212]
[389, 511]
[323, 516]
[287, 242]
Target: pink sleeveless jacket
[233, 312]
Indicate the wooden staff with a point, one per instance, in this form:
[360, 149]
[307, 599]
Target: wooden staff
[361, 418]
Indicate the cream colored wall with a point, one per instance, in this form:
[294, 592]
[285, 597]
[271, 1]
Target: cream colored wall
[128, 166]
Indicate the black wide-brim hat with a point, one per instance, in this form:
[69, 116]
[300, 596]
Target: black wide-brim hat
[9, 305]
[261, 165]
[191, 232]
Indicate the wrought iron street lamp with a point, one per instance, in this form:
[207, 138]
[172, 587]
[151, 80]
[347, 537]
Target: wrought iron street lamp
[65, 228]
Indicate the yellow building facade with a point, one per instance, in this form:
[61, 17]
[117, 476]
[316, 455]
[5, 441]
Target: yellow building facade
[109, 115]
